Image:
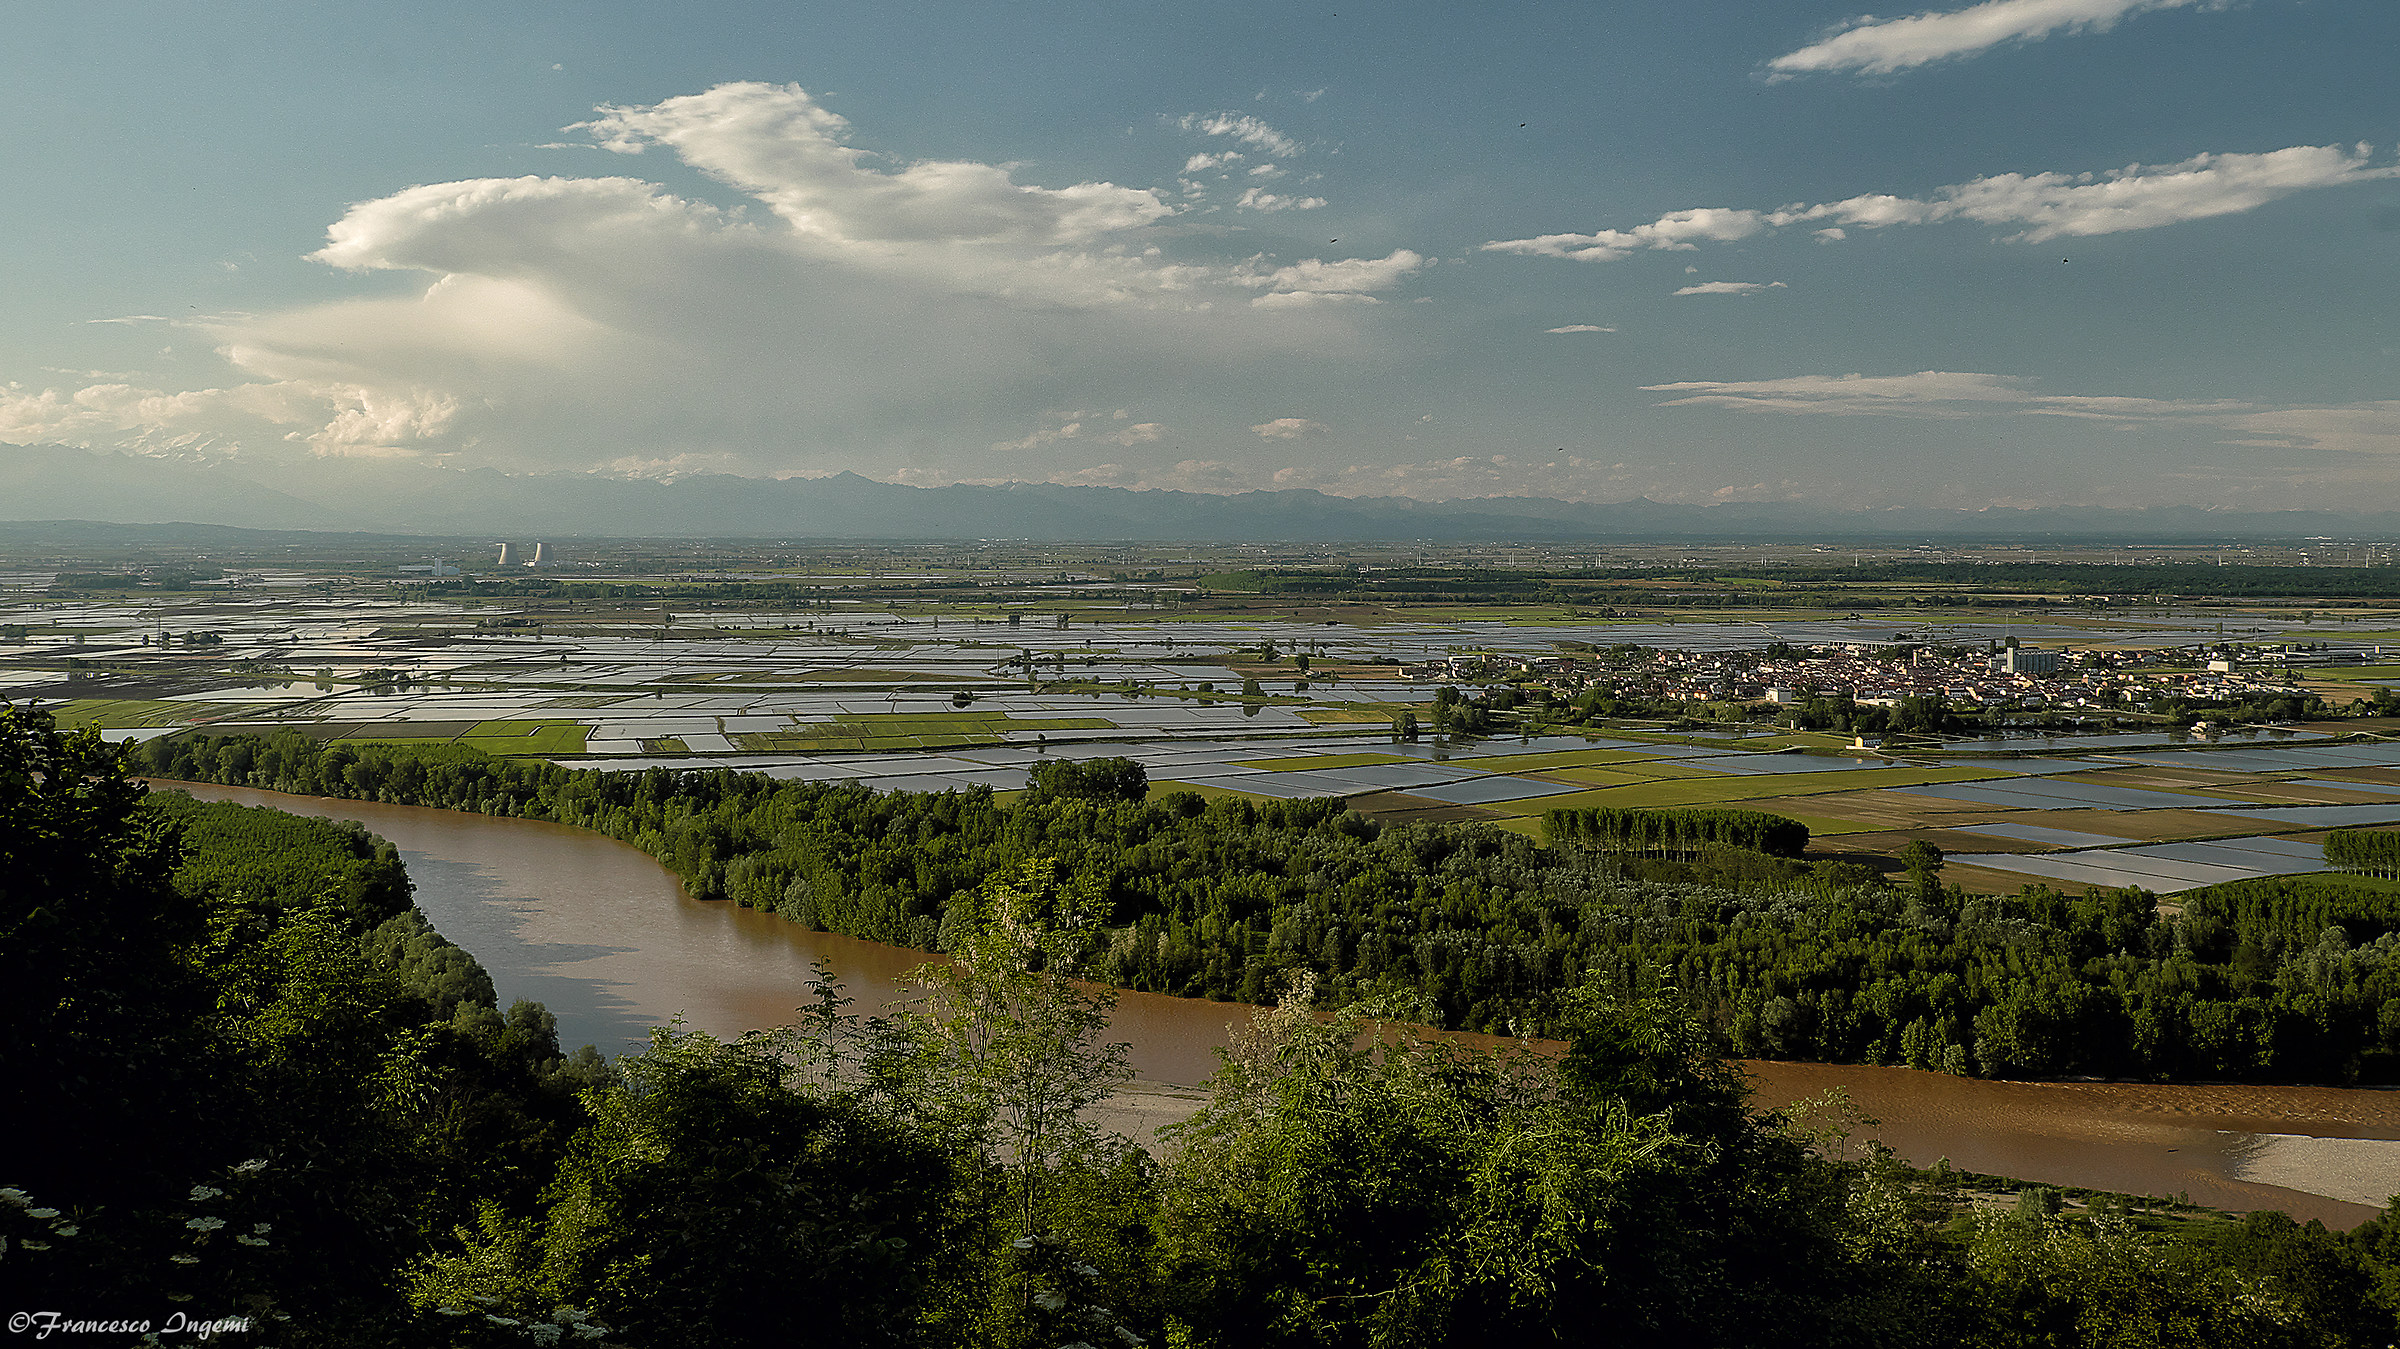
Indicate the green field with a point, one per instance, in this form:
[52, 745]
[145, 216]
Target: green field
[504, 739]
[527, 737]
[1159, 789]
[391, 732]
[1721, 789]
[1308, 761]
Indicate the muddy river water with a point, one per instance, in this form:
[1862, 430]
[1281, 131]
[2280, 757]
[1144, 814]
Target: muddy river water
[607, 939]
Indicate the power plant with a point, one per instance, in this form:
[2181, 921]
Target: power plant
[508, 555]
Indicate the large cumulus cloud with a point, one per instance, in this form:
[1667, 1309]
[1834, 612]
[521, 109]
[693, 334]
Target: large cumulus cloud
[838, 309]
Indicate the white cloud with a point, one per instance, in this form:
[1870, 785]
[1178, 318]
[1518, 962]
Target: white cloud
[1289, 428]
[1128, 435]
[2039, 206]
[1853, 394]
[1268, 172]
[2136, 197]
[1306, 299]
[1205, 475]
[1580, 328]
[2363, 428]
[1681, 230]
[1202, 163]
[1139, 433]
[1048, 435]
[1244, 128]
[1259, 199]
[2368, 427]
[1731, 287]
[1565, 477]
[1872, 46]
[779, 145]
[1346, 276]
[667, 468]
[839, 308]
[326, 419]
[1186, 475]
[1832, 235]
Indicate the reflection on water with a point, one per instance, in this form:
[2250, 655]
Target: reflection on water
[2029, 741]
[608, 940]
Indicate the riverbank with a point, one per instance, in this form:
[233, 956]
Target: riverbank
[597, 931]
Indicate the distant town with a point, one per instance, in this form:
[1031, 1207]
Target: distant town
[2005, 677]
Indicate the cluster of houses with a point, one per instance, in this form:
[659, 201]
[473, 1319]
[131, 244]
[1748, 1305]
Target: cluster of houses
[2013, 677]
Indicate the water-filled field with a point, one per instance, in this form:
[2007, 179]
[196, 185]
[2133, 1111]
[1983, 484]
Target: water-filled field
[928, 702]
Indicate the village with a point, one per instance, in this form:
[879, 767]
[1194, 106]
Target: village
[2000, 676]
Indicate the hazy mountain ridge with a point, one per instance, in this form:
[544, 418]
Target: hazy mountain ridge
[59, 483]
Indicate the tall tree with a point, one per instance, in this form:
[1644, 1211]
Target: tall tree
[1003, 1048]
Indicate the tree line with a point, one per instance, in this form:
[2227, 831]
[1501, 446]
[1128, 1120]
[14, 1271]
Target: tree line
[1677, 834]
[1229, 899]
[2371, 852]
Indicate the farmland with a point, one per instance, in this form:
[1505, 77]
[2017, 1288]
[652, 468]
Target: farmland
[1449, 688]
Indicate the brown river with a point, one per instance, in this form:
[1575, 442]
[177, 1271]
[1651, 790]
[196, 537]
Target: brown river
[608, 940]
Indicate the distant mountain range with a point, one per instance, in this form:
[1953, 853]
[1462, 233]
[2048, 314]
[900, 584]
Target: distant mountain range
[59, 483]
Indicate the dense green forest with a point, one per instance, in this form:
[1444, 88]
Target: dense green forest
[253, 1105]
[238, 1056]
[1492, 932]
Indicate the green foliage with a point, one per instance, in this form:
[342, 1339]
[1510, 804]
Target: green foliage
[1337, 1192]
[1676, 833]
[274, 862]
[428, 965]
[1003, 1051]
[710, 1203]
[1090, 780]
[1229, 899]
[2372, 852]
[337, 1133]
[2040, 1279]
[258, 1087]
[97, 990]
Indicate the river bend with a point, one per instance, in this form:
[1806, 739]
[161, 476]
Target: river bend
[607, 939]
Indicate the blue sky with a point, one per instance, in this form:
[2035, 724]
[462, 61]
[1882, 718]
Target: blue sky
[2025, 252]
